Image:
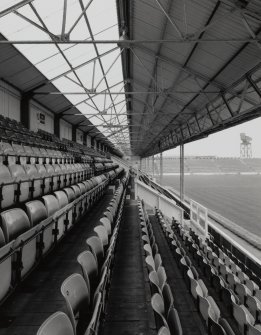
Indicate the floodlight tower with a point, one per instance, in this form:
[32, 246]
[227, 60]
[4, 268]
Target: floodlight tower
[245, 146]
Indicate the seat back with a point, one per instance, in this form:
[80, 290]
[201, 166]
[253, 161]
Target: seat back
[77, 297]
[2, 238]
[157, 304]
[89, 267]
[51, 204]
[102, 234]
[31, 172]
[36, 212]
[62, 198]
[106, 223]
[167, 297]
[150, 263]
[174, 322]
[13, 223]
[8, 191]
[18, 172]
[70, 193]
[163, 331]
[254, 330]
[57, 324]
[5, 270]
[28, 249]
[162, 276]
[96, 247]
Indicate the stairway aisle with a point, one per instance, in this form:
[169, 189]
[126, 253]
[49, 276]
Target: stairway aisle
[128, 310]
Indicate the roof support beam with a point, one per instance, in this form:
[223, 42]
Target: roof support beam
[14, 7]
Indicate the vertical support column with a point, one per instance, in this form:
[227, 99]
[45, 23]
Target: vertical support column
[161, 168]
[74, 133]
[153, 166]
[145, 164]
[25, 110]
[181, 172]
[140, 164]
[57, 126]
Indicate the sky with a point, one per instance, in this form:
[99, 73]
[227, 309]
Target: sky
[225, 143]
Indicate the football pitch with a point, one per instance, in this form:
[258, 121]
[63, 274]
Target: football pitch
[236, 197]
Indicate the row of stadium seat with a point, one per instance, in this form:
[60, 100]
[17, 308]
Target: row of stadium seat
[24, 154]
[27, 236]
[239, 293]
[20, 183]
[162, 301]
[206, 304]
[243, 294]
[85, 294]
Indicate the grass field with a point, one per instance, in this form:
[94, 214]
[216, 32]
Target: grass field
[236, 197]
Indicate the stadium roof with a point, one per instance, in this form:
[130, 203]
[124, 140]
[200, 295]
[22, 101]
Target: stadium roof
[189, 67]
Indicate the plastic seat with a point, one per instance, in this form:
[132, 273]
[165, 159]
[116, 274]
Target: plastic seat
[254, 306]
[28, 250]
[63, 205]
[157, 304]
[77, 297]
[102, 234]
[209, 309]
[57, 324]
[163, 331]
[106, 223]
[147, 249]
[150, 263]
[242, 292]
[36, 212]
[5, 270]
[8, 191]
[96, 247]
[167, 297]
[34, 175]
[243, 317]
[13, 223]
[198, 288]
[51, 204]
[174, 322]
[161, 273]
[18, 172]
[70, 193]
[47, 179]
[89, 267]
[254, 330]
[2, 238]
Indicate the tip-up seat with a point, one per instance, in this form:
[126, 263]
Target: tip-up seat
[157, 304]
[13, 223]
[7, 187]
[18, 172]
[96, 247]
[51, 204]
[5, 269]
[89, 267]
[102, 234]
[36, 212]
[77, 297]
[57, 324]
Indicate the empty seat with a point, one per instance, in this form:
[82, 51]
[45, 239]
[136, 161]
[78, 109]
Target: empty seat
[13, 223]
[18, 172]
[64, 221]
[7, 187]
[106, 223]
[89, 267]
[57, 324]
[5, 269]
[36, 212]
[174, 322]
[102, 234]
[96, 247]
[77, 297]
[2, 238]
[51, 204]
[157, 304]
[35, 176]
[47, 178]
[28, 250]
[163, 331]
